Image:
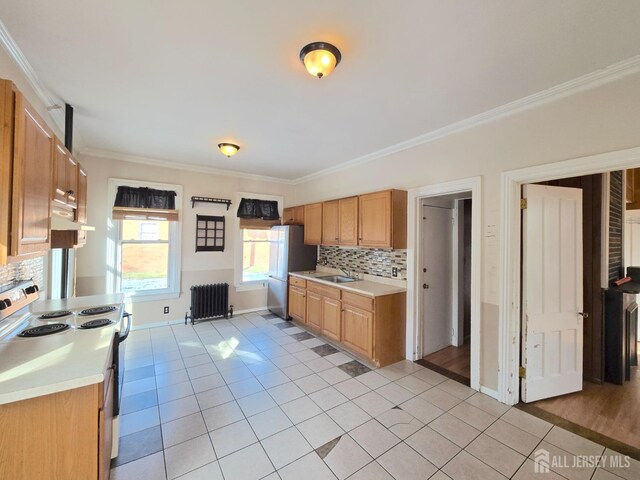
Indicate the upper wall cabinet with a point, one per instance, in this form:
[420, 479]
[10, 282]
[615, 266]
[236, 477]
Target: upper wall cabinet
[383, 219]
[32, 164]
[81, 210]
[313, 224]
[293, 216]
[330, 223]
[65, 177]
[348, 221]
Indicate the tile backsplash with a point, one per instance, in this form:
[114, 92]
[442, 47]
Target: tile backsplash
[32, 268]
[372, 261]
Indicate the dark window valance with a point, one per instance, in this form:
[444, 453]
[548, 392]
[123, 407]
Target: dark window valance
[142, 203]
[143, 197]
[262, 209]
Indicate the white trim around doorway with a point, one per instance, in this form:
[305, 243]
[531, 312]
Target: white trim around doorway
[414, 261]
[511, 181]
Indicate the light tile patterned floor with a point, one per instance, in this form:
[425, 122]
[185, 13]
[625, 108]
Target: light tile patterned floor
[255, 397]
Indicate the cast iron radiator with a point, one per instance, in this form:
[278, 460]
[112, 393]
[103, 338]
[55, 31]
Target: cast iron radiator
[209, 301]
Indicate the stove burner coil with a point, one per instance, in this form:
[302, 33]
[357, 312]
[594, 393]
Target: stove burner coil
[51, 315]
[44, 330]
[98, 310]
[100, 322]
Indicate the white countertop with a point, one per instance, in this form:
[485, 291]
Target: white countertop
[76, 303]
[32, 367]
[361, 287]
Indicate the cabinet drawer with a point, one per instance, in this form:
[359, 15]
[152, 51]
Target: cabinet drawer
[359, 301]
[297, 282]
[324, 290]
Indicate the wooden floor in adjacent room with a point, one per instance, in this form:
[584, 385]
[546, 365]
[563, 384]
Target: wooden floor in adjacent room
[608, 409]
[455, 359]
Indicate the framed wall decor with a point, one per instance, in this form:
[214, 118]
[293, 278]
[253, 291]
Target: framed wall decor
[209, 233]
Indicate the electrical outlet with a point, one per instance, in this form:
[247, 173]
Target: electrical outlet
[166, 310]
[394, 271]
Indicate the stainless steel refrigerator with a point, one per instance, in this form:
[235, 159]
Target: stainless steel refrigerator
[288, 254]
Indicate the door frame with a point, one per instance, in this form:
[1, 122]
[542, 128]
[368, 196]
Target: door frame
[415, 322]
[510, 238]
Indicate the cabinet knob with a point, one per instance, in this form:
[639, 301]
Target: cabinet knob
[70, 192]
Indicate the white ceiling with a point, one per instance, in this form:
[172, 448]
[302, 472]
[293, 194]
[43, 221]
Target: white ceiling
[171, 79]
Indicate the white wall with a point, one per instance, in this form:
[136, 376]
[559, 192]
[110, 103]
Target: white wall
[197, 268]
[600, 120]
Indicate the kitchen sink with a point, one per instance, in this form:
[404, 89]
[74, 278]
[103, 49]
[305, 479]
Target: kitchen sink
[337, 279]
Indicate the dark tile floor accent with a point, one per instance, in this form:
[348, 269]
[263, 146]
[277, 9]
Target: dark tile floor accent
[302, 336]
[283, 325]
[139, 401]
[268, 315]
[324, 350]
[138, 445]
[354, 368]
[139, 373]
[325, 449]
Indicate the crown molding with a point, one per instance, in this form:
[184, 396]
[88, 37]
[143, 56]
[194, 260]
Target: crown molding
[124, 157]
[12, 49]
[585, 82]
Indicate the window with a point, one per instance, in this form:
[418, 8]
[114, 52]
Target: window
[144, 253]
[144, 263]
[256, 248]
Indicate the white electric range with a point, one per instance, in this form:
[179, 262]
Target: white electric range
[56, 345]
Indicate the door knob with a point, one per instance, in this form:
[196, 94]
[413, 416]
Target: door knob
[584, 314]
[425, 286]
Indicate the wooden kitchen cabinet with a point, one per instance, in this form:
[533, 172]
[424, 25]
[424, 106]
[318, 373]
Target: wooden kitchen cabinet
[348, 221]
[293, 216]
[330, 223]
[297, 303]
[357, 330]
[65, 177]
[313, 224]
[81, 210]
[331, 318]
[382, 219]
[314, 310]
[71, 432]
[32, 164]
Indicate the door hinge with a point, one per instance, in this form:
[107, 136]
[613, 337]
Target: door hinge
[522, 372]
[523, 203]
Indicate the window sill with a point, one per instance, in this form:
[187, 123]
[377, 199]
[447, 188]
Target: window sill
[150, 297]
[249, 286]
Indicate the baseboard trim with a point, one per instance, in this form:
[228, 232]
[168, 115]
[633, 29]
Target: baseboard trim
[181, 320]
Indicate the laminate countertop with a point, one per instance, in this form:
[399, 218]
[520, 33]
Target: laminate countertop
[33, 367]
[361, 287]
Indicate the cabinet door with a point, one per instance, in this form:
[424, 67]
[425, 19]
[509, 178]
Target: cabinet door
[330, 223]
[375, 219]
[348, 215]
[357, 330]
[298, 215]
[60, 173]
[331, 317]
[72, 182]
[314, 310]
[33, 158]
[287, 216]
[105, 433]
[297, 303]
[313, 224]
[81, 210]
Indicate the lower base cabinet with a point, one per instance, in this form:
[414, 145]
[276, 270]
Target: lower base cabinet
[357, 330]
[65, 435]
[372, 328]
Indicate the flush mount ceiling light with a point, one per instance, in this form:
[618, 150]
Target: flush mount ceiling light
[228, 149]
[320, 58]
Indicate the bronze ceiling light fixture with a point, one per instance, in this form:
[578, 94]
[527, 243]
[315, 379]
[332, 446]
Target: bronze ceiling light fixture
[320, 58]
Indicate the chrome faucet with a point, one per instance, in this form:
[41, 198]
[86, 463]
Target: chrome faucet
[347, 272]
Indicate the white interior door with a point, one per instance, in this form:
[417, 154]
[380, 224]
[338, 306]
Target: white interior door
[552, 333]
[437, 257]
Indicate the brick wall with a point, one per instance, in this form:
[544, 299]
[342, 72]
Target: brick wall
[616, 203]
[33, 268]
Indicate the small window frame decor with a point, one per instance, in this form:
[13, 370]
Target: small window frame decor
[210, 233]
